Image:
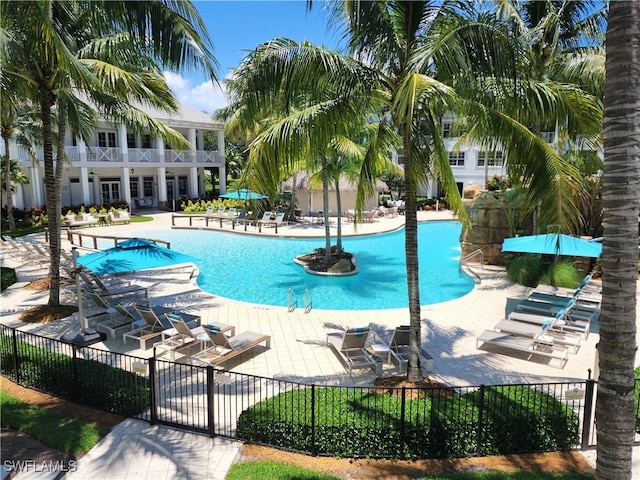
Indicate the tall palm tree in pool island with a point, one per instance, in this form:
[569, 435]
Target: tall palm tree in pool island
[109, 52]
[410, 63]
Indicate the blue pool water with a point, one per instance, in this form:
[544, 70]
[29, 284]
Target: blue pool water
[260, 269]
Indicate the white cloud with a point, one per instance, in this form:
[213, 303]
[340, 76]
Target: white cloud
[205, 97]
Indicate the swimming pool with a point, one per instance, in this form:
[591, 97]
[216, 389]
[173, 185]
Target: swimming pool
[259, 269]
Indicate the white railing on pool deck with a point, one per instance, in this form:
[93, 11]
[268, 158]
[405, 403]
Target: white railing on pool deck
[308, 303]
[475, 253]
[292, 302]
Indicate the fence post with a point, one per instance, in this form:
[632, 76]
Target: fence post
[153, 383]
[16, 360]
[588, 409]
[75, 381]
[210, 396]
[403, 411]
[480, 421]
[313, 420]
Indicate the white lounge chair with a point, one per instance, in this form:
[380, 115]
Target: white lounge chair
[225, 348]
[350, 347]
[529, 346]
[539, 332]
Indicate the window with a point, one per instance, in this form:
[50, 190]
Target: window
[492, 159]
[446, 129]
[133, 187]
[107, 139]
[456, 159]
[146, 140]
[182, 186]
[131, 140]
[147, 186]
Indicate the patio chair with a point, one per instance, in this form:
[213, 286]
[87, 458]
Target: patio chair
[183, 337]
[543, 332]
[530, 346]
[350, 347]
[151, 330]
[243, 217]
[125, 318]
[225, 348]
[272, 221]
[210, 214]
[399, 347]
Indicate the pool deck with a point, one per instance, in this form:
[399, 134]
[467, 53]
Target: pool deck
[298, 351]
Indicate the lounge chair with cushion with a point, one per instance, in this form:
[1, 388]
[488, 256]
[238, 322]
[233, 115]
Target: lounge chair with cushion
[119, 290]
[350, 347]
[225, 348]
[560, 322]
[399, 347]
[243, 218]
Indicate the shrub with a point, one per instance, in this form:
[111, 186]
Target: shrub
[87, 382]
[519, 419]
[525, 269]
[9, 277]
[363, 423]
[562, 274]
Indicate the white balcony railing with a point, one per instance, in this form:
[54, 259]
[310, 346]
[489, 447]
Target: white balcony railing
[143, 155]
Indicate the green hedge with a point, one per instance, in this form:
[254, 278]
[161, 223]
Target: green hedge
[98, 385]
[359, 423]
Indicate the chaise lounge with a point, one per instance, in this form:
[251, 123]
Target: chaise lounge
[529, 346]
[225, 348]
[350, 347]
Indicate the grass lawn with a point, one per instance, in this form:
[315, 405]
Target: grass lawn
[275, 470]
[50, 427]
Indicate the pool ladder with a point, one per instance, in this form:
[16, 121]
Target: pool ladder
[292, 301]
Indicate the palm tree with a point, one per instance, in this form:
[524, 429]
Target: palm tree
[106, 50]
[434, 58]
[621, 201]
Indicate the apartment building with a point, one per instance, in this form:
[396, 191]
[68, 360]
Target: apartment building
[117, 164]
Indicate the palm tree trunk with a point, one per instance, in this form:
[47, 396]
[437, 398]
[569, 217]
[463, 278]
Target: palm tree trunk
[325, 211]
[8, 183]
[55, 228]
[339, 207]
[414, 370]
[46, 101]
[621, 206]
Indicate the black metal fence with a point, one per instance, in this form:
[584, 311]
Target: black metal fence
[433, 422]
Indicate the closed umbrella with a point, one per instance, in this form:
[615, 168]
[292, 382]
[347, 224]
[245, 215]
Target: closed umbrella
[131, 255]
[553, 244]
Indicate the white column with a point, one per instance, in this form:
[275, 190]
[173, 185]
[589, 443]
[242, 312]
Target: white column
[82, 150]
[160, 149]
[162, 186]
[126, 186]
[221, 144]
[194, 191]
[223, 178]
[124, 147]
[191, 136]
[84, 185]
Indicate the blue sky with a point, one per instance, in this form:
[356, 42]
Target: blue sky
[237, 27]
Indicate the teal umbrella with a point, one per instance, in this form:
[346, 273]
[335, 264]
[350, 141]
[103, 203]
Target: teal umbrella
[131, 255]
[553, 244]
[244, 194]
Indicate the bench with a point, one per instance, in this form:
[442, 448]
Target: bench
[531, 346]
[119, 217]
[80, 220]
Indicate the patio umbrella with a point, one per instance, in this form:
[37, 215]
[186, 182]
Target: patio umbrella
[130, 255]
[244, 194]
[553, 244]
